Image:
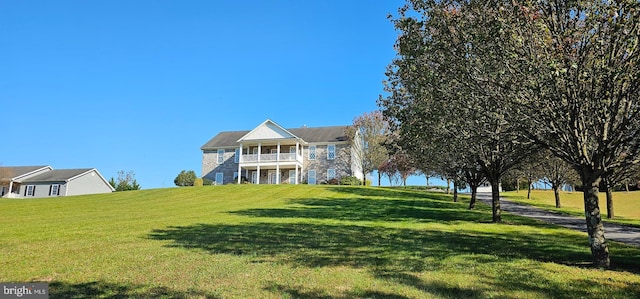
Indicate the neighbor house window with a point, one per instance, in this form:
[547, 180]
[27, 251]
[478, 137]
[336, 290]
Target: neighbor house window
[236, 158]
[219, 178]
[311, 180]
[30, 191]
[312, 152]
[331, 151]
[54, 190]
[220, 156]
[331, 174]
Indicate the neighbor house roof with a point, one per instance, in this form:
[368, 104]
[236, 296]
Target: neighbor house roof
[61, 175]
[313, 135]
[15, 172]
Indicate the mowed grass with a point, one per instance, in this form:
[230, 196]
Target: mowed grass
[626, 205]
[286, 241]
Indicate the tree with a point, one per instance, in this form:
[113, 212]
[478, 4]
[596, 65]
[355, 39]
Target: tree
[126, 181]
[185, 178]
[368, 135]
[557, 173]
[443, 80]
[616, 177]
[581, 98]
[562, 75]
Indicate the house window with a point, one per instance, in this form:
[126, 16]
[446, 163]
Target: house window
[220, 156]
[254, 177]
[236, 158]
[31, 190]
[311, 180]
[331, 174]
[219, 178]
[292, 176]
[54, 190]
[312, 152]
[331, 151]
[235, 176]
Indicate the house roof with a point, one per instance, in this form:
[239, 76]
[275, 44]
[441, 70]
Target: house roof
[61, 175]
[312, 135]
[13, 172]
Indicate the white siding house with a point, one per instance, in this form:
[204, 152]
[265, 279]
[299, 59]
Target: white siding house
[44, 181]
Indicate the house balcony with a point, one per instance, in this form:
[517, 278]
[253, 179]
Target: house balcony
[267, 159]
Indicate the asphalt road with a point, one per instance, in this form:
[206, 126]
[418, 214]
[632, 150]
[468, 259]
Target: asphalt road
[615, 232]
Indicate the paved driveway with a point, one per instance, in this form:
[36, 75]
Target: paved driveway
[620, 233]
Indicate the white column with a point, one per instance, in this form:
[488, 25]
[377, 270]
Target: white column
[302, 165]
[240, 161]
[258, 170]
[278, 164]
[297, 175]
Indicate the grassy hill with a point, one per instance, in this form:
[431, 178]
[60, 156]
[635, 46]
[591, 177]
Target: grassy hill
[286, 241]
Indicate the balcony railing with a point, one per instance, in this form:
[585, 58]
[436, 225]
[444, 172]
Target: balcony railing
[284, 157]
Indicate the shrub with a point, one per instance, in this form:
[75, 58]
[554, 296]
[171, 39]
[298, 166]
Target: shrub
[333, 181]
[185, 178]
[198, 182]
[350, 180]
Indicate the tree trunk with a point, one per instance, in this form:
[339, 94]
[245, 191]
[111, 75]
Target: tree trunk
[610, 212]
[448, 182]
[517, 185]
[626, 186]
[427, 180]
[455, 191]
[595, 229]
[379, 178]
[474, 192]
[364, 177]
[556, 192]
[495, 200]
[529, 190]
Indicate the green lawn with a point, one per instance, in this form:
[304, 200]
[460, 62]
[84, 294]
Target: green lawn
[287, 241]
[626, 204]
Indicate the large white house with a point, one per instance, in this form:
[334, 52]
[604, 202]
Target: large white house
[44, 181]
[271, 154]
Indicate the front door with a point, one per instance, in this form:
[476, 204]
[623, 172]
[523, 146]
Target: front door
[272, 177]
[292, 176]
[254, 177]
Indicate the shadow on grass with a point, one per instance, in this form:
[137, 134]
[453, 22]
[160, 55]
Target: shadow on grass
[364, 209]
[301, 293]
[390, 252]
[101, 289]
[377, 204]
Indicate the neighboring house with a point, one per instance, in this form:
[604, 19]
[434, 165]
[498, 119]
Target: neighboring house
[44, 181]
[271, 154]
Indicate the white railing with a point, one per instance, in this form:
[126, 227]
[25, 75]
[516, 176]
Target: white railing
[284, 157]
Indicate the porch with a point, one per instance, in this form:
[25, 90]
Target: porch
[271, 162]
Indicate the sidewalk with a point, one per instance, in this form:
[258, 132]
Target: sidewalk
[625, 234]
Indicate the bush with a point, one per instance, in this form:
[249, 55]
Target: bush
[198, 182]
[207, 182]
[333, 181]
[185, 178]
[350, 180]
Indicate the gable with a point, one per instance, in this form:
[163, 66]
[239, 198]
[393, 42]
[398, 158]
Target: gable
[268, 130]
[21, 172]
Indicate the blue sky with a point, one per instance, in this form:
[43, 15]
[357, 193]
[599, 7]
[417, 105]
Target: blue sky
[141, 85]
